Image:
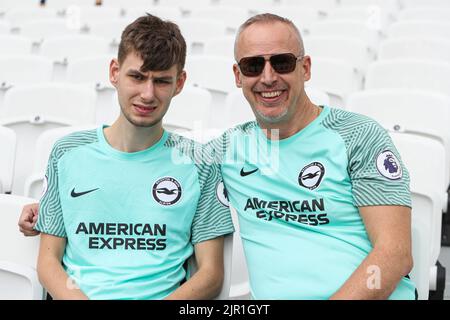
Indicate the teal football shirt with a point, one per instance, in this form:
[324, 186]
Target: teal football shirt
[130, 219]
[297, 201]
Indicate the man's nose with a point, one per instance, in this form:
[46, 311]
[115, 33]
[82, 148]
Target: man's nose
[148, 91]
[268, 76]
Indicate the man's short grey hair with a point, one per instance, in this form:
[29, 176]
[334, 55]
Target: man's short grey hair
[268, 18]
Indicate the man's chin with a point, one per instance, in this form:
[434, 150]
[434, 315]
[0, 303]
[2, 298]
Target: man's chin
[271, 118]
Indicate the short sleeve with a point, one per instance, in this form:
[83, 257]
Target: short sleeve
[213, 217]
[377, 172]
[50, 217]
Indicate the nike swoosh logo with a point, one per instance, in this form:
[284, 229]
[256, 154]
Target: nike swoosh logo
[243, 173]
[77, 194]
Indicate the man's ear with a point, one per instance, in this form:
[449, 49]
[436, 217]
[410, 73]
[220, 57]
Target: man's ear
[306, 65]
[237, 76]
[114, 72]
[181, 80]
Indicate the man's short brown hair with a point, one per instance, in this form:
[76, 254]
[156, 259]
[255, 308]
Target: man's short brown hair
[158, 43]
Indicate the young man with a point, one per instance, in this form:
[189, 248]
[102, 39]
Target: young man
[125, 206]
[310, 183]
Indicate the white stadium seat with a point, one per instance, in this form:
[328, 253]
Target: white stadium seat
[402, 111]
[8, 150]
[30, 110]
[15, 247]
[17, 70]
[419, 28]
[415, 48]
[424, 3]
[18, 253]
[415, 151]
[65, 48]
[349, 28]
[335, 77]
[39, 30]
[167, 13]
[19, 15]
[5, 27]
[189, 110]
[19, 282]
[44, 144]
[432, 13]
[347, 49]
[410, 74]
[233, 17]
[15, 45]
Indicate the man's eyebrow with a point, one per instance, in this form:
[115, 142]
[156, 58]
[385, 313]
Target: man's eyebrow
[135, 72]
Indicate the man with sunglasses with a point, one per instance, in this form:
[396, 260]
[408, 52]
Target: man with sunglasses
[320, 216]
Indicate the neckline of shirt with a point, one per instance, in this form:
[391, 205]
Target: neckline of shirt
[143, 154]
[302, 132]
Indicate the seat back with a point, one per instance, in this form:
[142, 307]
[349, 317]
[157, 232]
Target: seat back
[402, 110]
[415, 48]
[18, 282]
[189, 110]
[412, 74]
[424, 159]
[66, 48]
[30, 110]
[8, 150]
[44, 145]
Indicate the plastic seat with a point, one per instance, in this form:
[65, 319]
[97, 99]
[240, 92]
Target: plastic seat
[33, 69]
[412, 149]
[15, 45]
[19, 282]
[303, 17]
[63, 4]
[415, 48]
[64, 49]
[164, 12]
[36, 70]
[128, 3]
[30, 110]
[433, 76]
[350, 50]
[392, 5]
[402, 110]
[424, 3]
[5, 28]
[18, 253]
[374, 17]
[349, 28]
[8, 150]
[110, 29]
[429, 13]
[39, 30]
[44, 144]
[15, 247]
[220, 46]
[189, 110]
[419, 28]
[424, 205]
[18, 15]
[335, 77]
[321, 4]
[232, 16]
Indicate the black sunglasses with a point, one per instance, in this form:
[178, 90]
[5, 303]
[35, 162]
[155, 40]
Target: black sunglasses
[282, 63]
